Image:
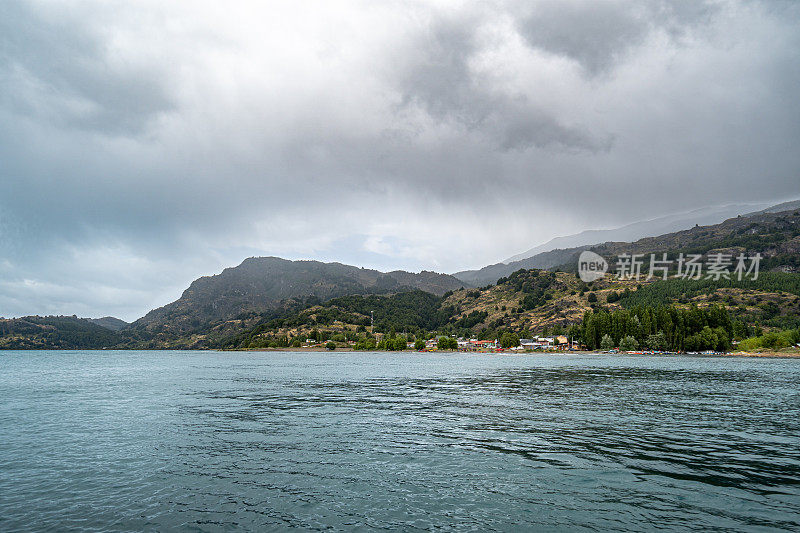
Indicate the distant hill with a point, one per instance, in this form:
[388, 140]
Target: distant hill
[268, 301]
[260, 284]
[785, 206]
[54, 332]
[776, 236]
[699, 237]
[532, 301]
[110, 322]
[645, 228]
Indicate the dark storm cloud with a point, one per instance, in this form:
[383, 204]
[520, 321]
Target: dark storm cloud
[145, 144]
[440, 80]
[599, 35]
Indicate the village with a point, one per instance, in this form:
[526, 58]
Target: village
[558, 343]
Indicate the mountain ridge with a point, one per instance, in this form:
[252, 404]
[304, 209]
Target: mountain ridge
[564, 257]
[647, 228]
[260, 284]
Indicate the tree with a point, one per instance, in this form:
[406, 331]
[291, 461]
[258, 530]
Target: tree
[419, 344]
[607, 343]
[447, 343]
[657, 342]
[574, 332]
[367, 343]
[591, 298]
[330, 345]
[628, 344]
[399, 343]
[509, 340]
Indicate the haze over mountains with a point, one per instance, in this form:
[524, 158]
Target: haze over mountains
[240, 302]
[644, 228]
[561, 250]
[261, 283]
[261, 287]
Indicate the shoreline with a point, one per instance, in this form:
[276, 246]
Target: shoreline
[318, 349]
[314, 349]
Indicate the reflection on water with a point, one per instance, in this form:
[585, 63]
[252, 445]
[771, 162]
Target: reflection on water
[212, 441]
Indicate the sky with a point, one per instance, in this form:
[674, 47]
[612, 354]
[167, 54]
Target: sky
[144, 144]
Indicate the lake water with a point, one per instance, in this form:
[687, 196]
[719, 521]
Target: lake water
[208, 441]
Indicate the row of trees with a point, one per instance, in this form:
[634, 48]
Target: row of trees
[663, 328]
[772, 340]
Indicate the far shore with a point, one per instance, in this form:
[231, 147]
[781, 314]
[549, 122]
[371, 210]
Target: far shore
[786, 354]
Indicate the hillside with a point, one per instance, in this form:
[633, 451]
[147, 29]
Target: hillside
[54, 332]
[110, 322]
[775, 235]
[260, 284]
[648, 228]
[527, 302]
[271, 301]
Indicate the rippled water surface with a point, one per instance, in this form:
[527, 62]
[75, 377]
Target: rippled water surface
[220, 441]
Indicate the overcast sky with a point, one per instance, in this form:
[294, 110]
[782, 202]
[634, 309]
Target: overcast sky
[145, 144]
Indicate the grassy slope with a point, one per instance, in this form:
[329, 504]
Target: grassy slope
[773, 302]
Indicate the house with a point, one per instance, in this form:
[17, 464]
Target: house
[483, 345]
[538, 343]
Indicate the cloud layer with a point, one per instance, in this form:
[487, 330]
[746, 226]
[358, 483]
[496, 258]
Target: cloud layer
[146, 144]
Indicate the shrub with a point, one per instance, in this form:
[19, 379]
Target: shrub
[330, 345]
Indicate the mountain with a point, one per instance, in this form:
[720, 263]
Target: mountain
[268, 301]
[527, 302]
[648, 228]
[667, 242]
[110, 322]
[776, 236]
[264, 284]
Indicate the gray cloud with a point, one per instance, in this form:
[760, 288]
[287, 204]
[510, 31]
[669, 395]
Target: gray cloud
[144, 145]
[57, 68]
[599, 35]
[439, 80]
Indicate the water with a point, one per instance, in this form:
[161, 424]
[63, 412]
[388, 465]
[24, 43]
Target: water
[208, 441]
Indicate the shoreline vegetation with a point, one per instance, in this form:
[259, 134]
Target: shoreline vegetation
[531, 309]
[269, 302]
[783, 353]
